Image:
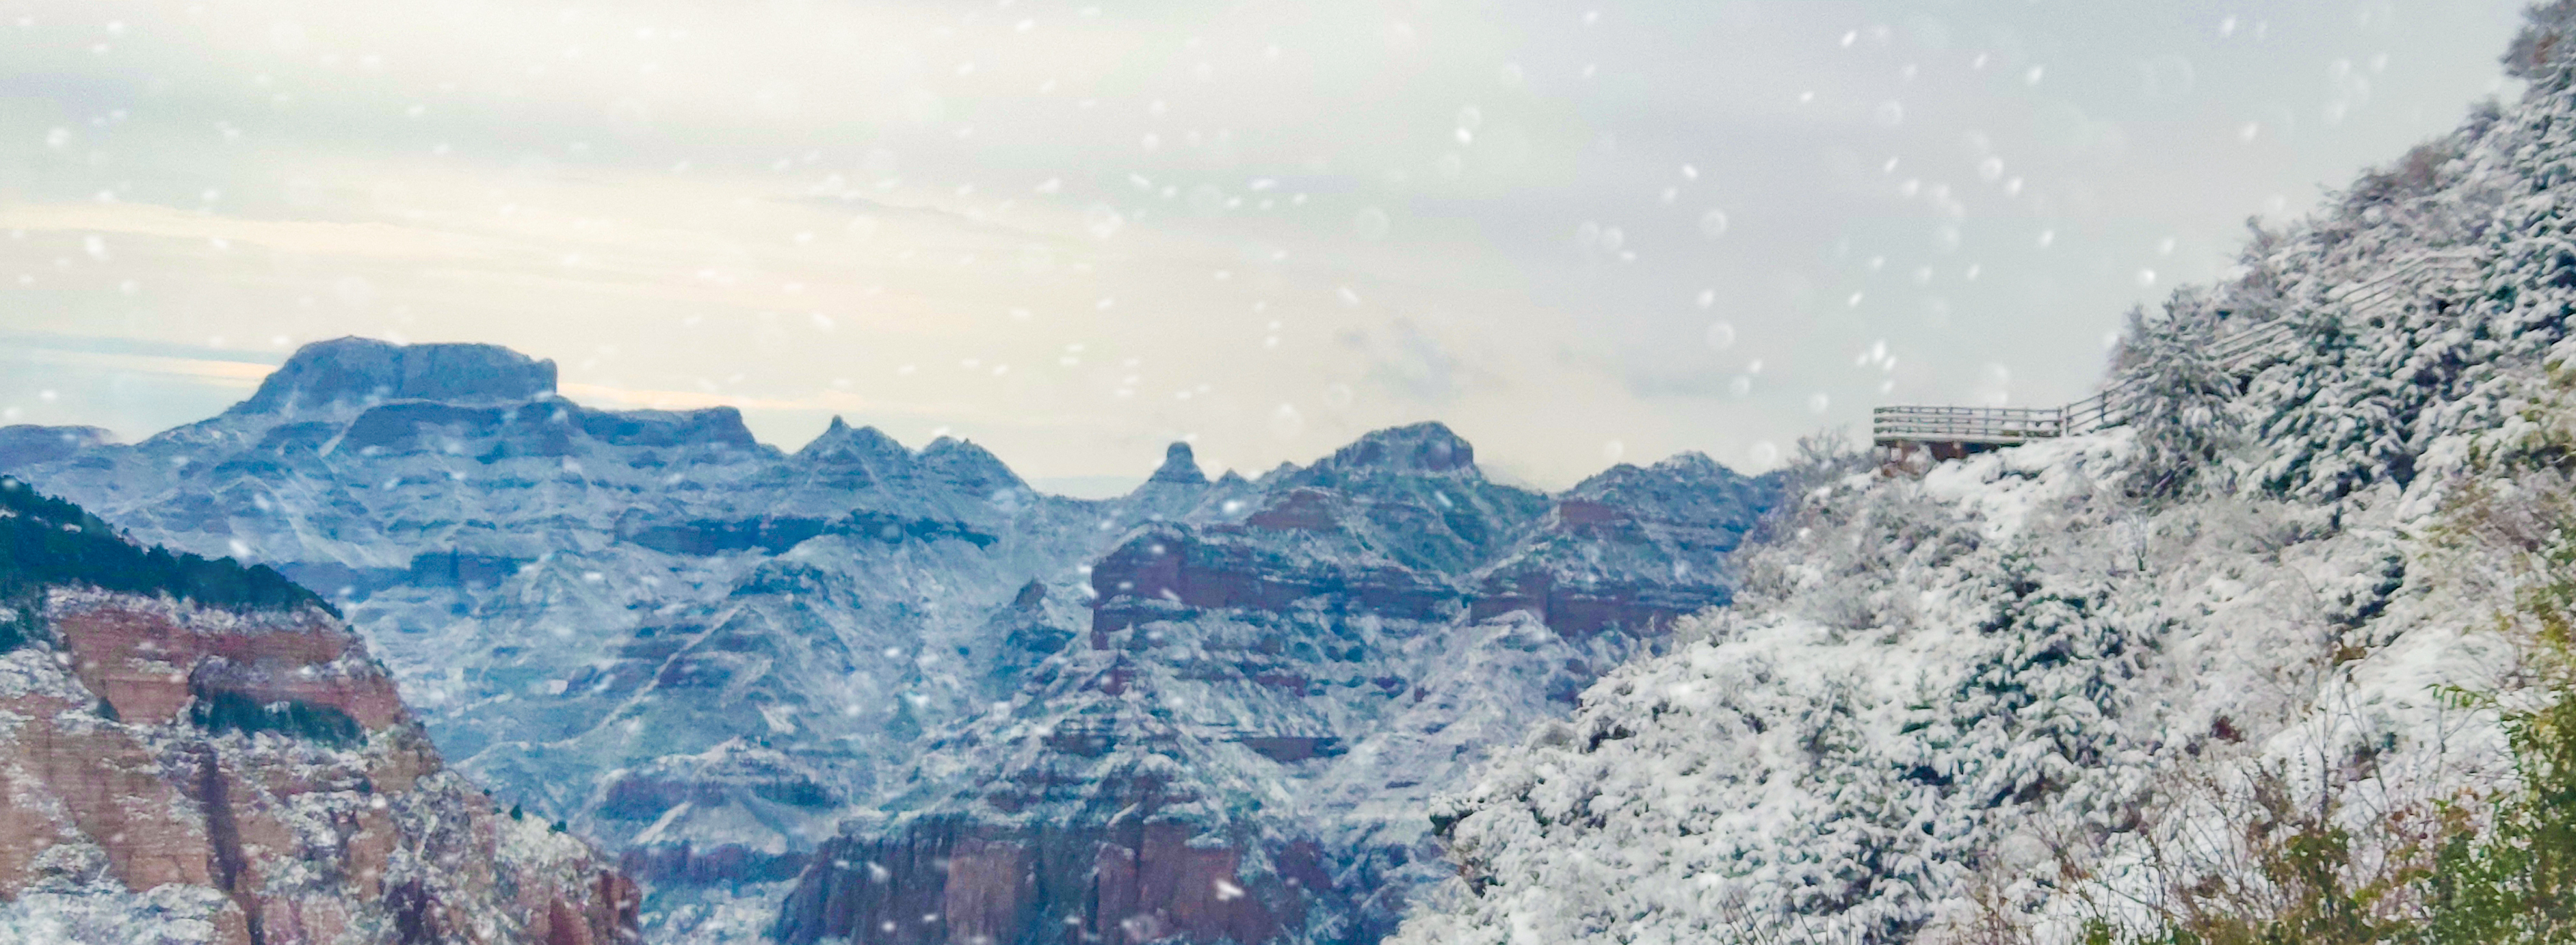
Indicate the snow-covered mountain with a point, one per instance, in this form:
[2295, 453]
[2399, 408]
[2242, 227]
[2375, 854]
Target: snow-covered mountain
[196, 752]
[1996, 699]
[710, 654]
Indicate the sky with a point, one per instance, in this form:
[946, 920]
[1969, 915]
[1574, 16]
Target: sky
[1578, 233]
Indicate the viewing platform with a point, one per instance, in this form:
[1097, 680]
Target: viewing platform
[1954, 432]
[1904, 433]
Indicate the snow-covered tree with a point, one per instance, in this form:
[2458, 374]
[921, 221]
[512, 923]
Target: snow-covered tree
[2172, 389]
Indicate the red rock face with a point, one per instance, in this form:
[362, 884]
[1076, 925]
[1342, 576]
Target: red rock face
[1218, 573]
[306, 842]
[1580, 612]
[952, 884]
[148, 664]
[1638, 604]
[1193, 574]
[1302, 510]
[1583, 513]
[1125, 870]
[1157, 886]
[103, 783]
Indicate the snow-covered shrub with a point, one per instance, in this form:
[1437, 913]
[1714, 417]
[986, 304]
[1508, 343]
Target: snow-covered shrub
[2543, 54]
[2176, 395]
[1876, 531]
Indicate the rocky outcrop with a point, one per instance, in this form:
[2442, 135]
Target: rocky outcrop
[867, 456]
[732, 782]
[1631, 548]
[1180, 467]
[1419, 449]
[151, 664]
[1140, 882]
[543, 427]
[182, 771]
[965, 467]
[25, 444]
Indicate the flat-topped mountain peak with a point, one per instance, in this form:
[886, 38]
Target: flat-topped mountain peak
[359, 371]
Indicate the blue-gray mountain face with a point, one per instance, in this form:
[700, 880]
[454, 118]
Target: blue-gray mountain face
[1204, 709]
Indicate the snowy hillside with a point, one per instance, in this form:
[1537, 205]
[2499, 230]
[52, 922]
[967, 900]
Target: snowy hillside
[1988, 702]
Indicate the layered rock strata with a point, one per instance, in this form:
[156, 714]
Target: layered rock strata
[202, 771]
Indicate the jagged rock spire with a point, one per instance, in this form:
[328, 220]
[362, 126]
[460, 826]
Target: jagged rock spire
[1179, 466]
[844, 444]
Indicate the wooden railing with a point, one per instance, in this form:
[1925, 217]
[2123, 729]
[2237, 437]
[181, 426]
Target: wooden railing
[2239, 349]
[2239, 353]
[2106, 408]
[1967, 424]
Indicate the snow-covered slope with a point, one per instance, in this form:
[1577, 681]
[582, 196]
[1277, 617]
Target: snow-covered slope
[1975, 703]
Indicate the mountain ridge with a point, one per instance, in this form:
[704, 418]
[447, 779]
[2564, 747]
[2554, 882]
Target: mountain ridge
[709, 653]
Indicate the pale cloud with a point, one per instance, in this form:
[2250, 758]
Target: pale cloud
[1078, 230]
[230, 375]
[361, 240]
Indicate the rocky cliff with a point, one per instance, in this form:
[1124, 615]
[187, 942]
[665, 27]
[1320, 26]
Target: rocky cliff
[193, 751]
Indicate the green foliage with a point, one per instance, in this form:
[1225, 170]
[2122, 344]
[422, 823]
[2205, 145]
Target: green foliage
[2300, 881]
[47, 542]
[2512, 877]
[233, 712]
[18, 625]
